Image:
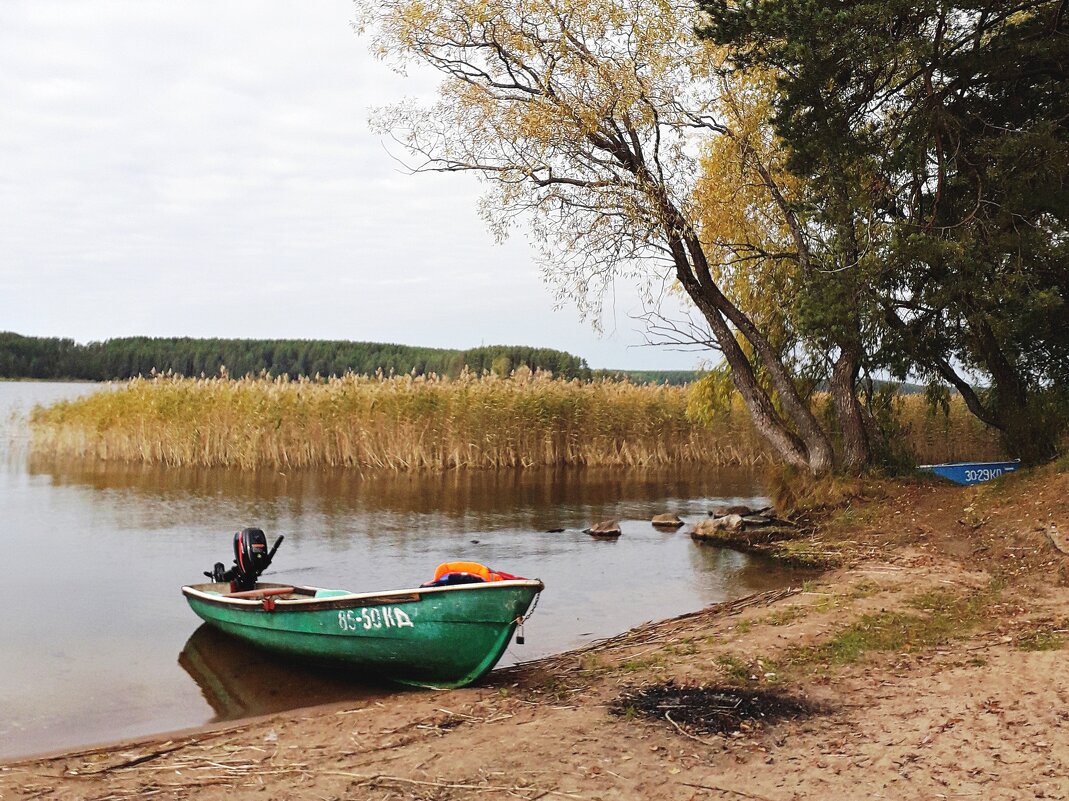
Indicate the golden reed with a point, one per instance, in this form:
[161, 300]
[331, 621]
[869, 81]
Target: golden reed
[391, 422]
[410, 423]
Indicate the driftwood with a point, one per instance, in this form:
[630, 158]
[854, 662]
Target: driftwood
[738, 509]
[719, 789]
[763, 534]
[134, 760]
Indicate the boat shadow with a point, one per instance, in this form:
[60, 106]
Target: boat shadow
[239, 680]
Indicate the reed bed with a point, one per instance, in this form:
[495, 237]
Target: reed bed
[953, 435]
[431, 423]
[390, 422]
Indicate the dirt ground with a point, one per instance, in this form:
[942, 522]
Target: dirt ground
[932, 663]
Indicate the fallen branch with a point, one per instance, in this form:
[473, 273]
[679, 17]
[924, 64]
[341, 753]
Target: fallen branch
[725, 790]
[685, 733]
[483, 788]
[129, 763]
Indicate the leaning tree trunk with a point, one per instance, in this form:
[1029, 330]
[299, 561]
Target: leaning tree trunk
[860, 449]
[809, 449]
[817, 444]
[763, 414]
[1026, 431]
[856, 450]
[798, 439]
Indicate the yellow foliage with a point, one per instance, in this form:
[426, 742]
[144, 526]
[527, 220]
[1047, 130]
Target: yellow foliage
[743, 226]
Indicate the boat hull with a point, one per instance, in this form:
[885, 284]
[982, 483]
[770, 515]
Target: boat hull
[971, 472]
[429, 637]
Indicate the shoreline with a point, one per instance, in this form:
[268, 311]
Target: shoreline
[934, 658]
[217, 728]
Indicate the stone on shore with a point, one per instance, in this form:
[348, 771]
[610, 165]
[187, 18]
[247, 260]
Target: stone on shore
[713, 526]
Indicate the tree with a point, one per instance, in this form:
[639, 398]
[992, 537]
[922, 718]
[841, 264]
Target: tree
[802, 290]
[942, 126]
[585, 119]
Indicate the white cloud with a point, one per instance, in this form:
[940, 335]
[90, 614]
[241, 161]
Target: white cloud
[206, 169]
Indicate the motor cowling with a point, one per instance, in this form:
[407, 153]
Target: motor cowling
[251, 558]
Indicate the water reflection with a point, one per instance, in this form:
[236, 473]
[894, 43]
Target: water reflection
[94, 656]
[743, 574]
[238, 680]
[534, 499]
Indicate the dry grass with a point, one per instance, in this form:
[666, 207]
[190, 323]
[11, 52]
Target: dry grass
[395, 422]
[956, 436]
[415, 423]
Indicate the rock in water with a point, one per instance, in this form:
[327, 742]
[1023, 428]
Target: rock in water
[667, 521]
[606, 529]
[705, 529]
[732, 522]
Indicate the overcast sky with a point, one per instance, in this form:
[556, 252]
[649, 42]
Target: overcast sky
[206, 169]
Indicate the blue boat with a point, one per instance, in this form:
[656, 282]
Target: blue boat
[972, 472]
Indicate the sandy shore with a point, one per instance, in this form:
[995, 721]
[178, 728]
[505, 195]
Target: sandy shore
[932, 661]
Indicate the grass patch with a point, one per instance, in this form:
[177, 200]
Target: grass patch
[591, 663]
[744, 626]
[656, 660]
[1041, 639]
[798, 553]
[683, 647]
[799, 493]
[734, 668]
[865, 588]
[785, 617]
[827, 603]
[942, 617]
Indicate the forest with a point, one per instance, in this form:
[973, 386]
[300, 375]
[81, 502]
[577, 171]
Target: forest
[52, 358]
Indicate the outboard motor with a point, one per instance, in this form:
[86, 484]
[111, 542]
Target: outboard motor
[251, 558]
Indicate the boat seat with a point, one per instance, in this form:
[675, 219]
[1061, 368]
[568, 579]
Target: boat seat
[331, 593]
[282, 593]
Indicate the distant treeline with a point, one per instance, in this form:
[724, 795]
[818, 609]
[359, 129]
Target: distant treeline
[675, 378]
[127, 357]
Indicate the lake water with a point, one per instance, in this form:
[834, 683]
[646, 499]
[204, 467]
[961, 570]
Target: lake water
[97, 643]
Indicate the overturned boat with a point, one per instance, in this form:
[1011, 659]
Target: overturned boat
[972, 472]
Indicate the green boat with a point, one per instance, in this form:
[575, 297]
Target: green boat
[446, 633]
[443, 636]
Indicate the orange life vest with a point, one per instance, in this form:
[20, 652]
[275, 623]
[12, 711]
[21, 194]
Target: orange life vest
[472, 569]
